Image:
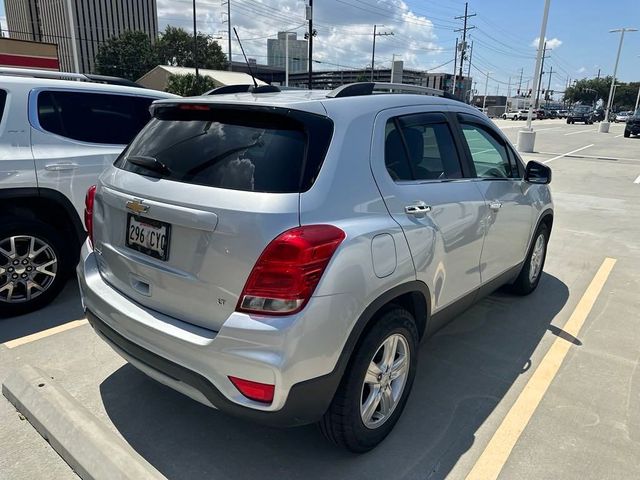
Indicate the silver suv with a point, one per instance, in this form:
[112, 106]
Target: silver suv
[279, 256]
[58, 131]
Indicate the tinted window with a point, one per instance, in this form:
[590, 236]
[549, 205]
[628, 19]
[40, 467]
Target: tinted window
[93, 117]
[489, 154]
[239, 150]
[420, 147]
[3, 99]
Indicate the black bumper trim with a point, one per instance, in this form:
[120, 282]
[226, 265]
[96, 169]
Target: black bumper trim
[306, 403]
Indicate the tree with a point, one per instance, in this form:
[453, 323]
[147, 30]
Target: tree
[175, 47]
[130, 56]
[188, 86]
[589, 90]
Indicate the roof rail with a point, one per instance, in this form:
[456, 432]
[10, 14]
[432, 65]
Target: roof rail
[368, 88]
[242, 88]
[82, 77]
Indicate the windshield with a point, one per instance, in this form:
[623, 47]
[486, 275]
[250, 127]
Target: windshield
[581, 109]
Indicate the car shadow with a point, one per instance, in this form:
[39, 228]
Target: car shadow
[464, 371]
[64, 309]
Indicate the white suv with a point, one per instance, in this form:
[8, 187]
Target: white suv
[279, 256]
[56, 136]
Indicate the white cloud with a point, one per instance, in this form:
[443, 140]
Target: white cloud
[551, 43]
[3, 25]
[344, 33]
[582, 70]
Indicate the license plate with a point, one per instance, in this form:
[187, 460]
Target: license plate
[148, 236]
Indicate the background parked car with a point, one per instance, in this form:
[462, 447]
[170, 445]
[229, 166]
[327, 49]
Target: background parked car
[633, 125]
[622, 116]
[582, 114]
[598, 115]
[511, 115]
[56, 137]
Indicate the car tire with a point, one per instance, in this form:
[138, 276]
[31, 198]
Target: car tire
[531, 272]
[23, 275]
[347, 423]
[568, 121]
[627, 134]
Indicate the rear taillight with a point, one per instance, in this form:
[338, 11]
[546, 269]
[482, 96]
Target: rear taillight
[260, 392]
[88, 211]
[289, 269]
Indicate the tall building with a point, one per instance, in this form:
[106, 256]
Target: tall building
[298, 52]
[92, 23]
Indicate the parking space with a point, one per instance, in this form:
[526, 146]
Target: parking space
[474, 378]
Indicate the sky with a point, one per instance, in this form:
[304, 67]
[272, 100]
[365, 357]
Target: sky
[504, 37]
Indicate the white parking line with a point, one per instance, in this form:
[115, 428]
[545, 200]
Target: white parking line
[618, 135]
[568, 153]
[580, 131]
[44, 333]
[637, 180]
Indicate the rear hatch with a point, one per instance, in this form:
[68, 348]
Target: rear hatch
[197, 196]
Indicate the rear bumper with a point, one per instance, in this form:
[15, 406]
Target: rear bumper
[307, 401]
[299, 355]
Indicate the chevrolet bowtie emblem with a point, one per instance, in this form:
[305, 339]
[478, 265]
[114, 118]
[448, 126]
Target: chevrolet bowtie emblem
[137, 207]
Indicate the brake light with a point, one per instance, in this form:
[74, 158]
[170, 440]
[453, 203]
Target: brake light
[260, 392]
[89, 200]
[288, 271]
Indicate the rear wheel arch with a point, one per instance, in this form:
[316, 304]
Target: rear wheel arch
[46, 205]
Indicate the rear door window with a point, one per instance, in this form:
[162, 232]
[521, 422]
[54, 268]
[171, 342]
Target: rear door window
[420, 147]
[93, 117]
[235, 149]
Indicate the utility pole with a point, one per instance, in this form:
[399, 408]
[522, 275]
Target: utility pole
[598, 74]
[469, 70]
[72, 31]
[506, 103]
[463, 46]
[637, 99]
[311, 34]
[544, 51]
[486, 86]
[546, 97]
[373, 53]
[195, 42]
[520, 81]
[455, 68]
[229, 33]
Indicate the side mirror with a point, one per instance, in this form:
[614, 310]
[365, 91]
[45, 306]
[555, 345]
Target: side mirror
[537, 173]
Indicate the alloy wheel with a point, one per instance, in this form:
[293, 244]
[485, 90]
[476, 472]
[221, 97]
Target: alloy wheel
[537, 256]
[384, 381]
[28, 267]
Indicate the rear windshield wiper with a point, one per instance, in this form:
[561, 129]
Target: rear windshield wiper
[150, 163]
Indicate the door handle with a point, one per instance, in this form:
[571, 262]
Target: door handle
[59, 167]
[418, 208]
[495, 205]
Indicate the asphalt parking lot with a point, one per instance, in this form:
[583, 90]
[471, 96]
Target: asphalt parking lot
[545, 386]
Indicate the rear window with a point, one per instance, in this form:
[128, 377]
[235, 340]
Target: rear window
[93, 117]
[256, 149]
[3, 100]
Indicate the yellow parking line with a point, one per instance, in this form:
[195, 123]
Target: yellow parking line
[497, 451]
[44, 333]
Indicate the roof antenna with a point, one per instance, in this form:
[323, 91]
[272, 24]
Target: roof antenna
[256, 88]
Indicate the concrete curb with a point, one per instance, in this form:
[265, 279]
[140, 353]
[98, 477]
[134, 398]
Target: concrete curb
[92, 450]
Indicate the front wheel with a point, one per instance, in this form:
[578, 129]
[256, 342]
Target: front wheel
[531, 272]
[35, 261]
[627, 134]
[376, 384]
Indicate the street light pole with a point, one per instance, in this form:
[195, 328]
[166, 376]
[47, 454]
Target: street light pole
[286, 59]
[604, 126]
[373, 52]
[527, 137]
[195, 41]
